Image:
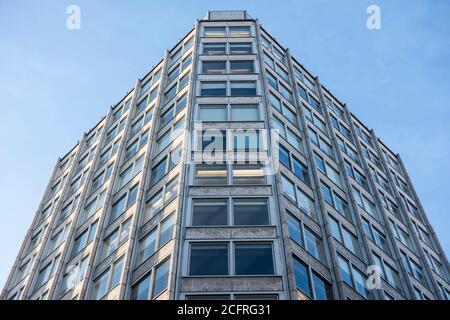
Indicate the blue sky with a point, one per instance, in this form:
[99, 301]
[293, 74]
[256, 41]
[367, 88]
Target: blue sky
[55, 83]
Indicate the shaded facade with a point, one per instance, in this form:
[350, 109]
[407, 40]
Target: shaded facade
[229, 172]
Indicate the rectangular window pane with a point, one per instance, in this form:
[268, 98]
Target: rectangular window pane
[212, 113]
[214, 48]
[210, 212]
[243, 88]
[242, 67]
[248, 174]
[211, 89]
[208, 259]
[214, 67]
[245, 112]
[214, 32]
[253, 259]
[251, 212]
[241, 48]
[301, 277]
[161, 278]
[211, 174]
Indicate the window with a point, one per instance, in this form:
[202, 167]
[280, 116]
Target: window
[303, 281]
[175, 157]
[59, 236]
[166, 230]
[248, 174]
[35, 239]
[306, 204]
[302, 277]
[101, 178]
[116, 239]
[92, 207]
[329, 171]
[73, 274]
[239, 31]
[288, 188]
[246, 140]
[130, 172]
[358, 177]
[108, 280]
[249, 212]
[242, 88]
[294, 229]
[211, 174]
[208, 259]
[365, 203]
[214, 67]
[241, 48]
[335, 201]
[253, 259]
[322, 289]
[387, 272]
[375, 235]
[211, 89]
[215, 32]
[161, 278]
[176, 55]
[173, 74]
[212, 113]
[245, 112]
[86, 237]
[344, 236]
[241, 67]
[46, 273]
[401, 235]
[118, 208]
[161, 197]
[159, 170]
[305, 237]
[143, 289]
[147, 245]
[353, 277]
[213, 48]
[284, 157]
[209, 212]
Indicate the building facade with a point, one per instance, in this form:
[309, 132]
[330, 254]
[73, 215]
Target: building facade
[229, 172]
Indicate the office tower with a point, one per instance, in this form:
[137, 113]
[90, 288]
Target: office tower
[229, 172]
